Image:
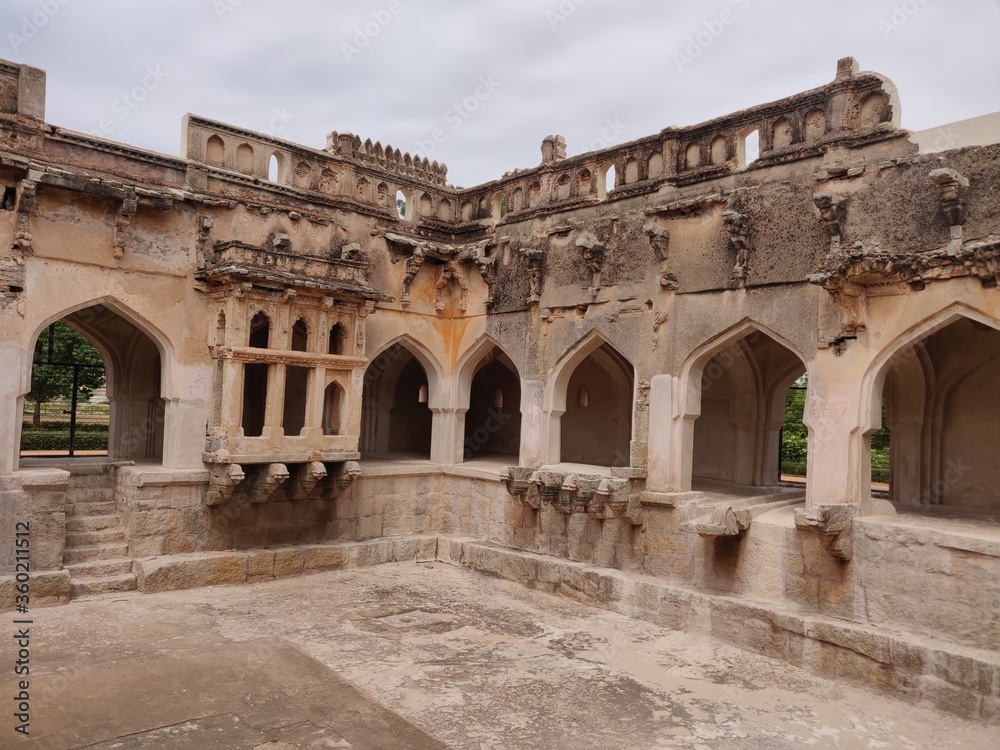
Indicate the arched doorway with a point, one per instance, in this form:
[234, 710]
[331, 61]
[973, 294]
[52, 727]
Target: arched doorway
[742, 390]
[134, 407]
[493, 421]
[596, 426]
[942, 411]
[395, 415]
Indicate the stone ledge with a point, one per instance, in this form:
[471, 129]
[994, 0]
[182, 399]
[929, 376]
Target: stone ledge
[46, 588]
[953, 678]
[140, 476]
[43, 479]
[175, 572]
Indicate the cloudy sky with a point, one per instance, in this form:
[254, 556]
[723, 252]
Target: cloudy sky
[477, 85]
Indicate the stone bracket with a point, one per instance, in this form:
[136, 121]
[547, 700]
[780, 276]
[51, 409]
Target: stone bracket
[342, 479]
[720, 519]
[738, 238]
[266, 481]
[536, 272]
[593, 257]
[954, 189]
[833, 213]
[519, 486]
[307, 476]
[27, 190]
[834, 523]
[601, 497]
[223, 479]
[123, 220]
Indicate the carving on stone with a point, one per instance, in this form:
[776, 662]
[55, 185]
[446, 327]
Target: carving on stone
[27, 190]
[344, 477]
[834, 523]
[350, 251]
[519, 486]
[279, 241]
[738, 230]
[720, 519]
[553, 149]
[954, 189]
[832, 211]
[593, 258]
[307, 476]
[123, 220]
[659, 242]
[223, 479]
[266, 481]
[487, 268]
[536, 272]
[203, 250]
[451, 273]
[413, 265]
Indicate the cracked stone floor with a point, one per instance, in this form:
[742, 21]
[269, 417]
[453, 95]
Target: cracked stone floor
[416, 656]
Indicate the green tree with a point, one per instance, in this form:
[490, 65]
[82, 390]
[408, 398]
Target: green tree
[61, 345]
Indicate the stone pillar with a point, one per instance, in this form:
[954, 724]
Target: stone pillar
[275, 400]
[836, 448]
[447, 435]
[665, 458]
[532, 423]
[11, 405]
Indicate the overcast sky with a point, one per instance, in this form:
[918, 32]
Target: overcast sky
[477, 85]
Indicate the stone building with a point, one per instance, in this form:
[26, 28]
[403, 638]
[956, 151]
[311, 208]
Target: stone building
[573, 376]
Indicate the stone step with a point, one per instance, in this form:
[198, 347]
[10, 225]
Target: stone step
[87, 538]
[89, 495]
[88, 586]
[100, 568]
[91, 509]
[95, 552]
[102, 479]
[93, 523]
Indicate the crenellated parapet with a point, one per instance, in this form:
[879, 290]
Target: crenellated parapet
[387, 158]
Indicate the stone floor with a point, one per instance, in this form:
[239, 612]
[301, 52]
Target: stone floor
[418, 656]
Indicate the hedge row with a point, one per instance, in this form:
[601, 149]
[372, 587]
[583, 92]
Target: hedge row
[59, 441]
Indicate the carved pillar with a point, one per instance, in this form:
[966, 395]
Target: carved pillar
[275, 400]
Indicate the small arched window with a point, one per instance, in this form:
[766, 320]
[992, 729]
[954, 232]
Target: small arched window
[300, 336]
[336, 345]
[498, 398]
[422, 395]
[260, 331]
[583, 397]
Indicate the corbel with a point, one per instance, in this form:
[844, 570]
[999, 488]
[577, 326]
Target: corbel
[832, 212]
[834, 523]
[203, 250]
[343, 478]
[268, 479]
[307, 476]
[123, 220]
[536, 272]
[519, 486]
[738, 230]
[954, 190]
[593, 258]
[27, 191]
[223, 479]
[413, 264]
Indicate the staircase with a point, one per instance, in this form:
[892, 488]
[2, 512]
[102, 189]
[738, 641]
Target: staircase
[96, 553]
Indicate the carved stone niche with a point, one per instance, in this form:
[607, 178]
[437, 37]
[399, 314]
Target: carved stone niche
[536, 272]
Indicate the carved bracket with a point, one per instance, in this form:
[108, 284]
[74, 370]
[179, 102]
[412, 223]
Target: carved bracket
[266, 482]
[601, 497]
[203, 247]
[833, 212]
[659, 240]
[954, 189]
[593, 257]
[536, 272]
[834, 523]
[721, 519]
[738, 229]
[223, 479]
[27, 190]
[451, 273]
[343, 478]
[519, 486]
[307, 476]
[413, 265]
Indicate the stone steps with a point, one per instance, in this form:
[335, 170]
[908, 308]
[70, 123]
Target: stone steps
[75, 539]
[82, 523]
[103, 585]
[89, 495]
[100, 568]
[91, 509]
[95, 552]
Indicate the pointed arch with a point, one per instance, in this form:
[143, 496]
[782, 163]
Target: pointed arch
[557, 391]
[731, 403]
[907, 375]
[488, 399]
[437, 397]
